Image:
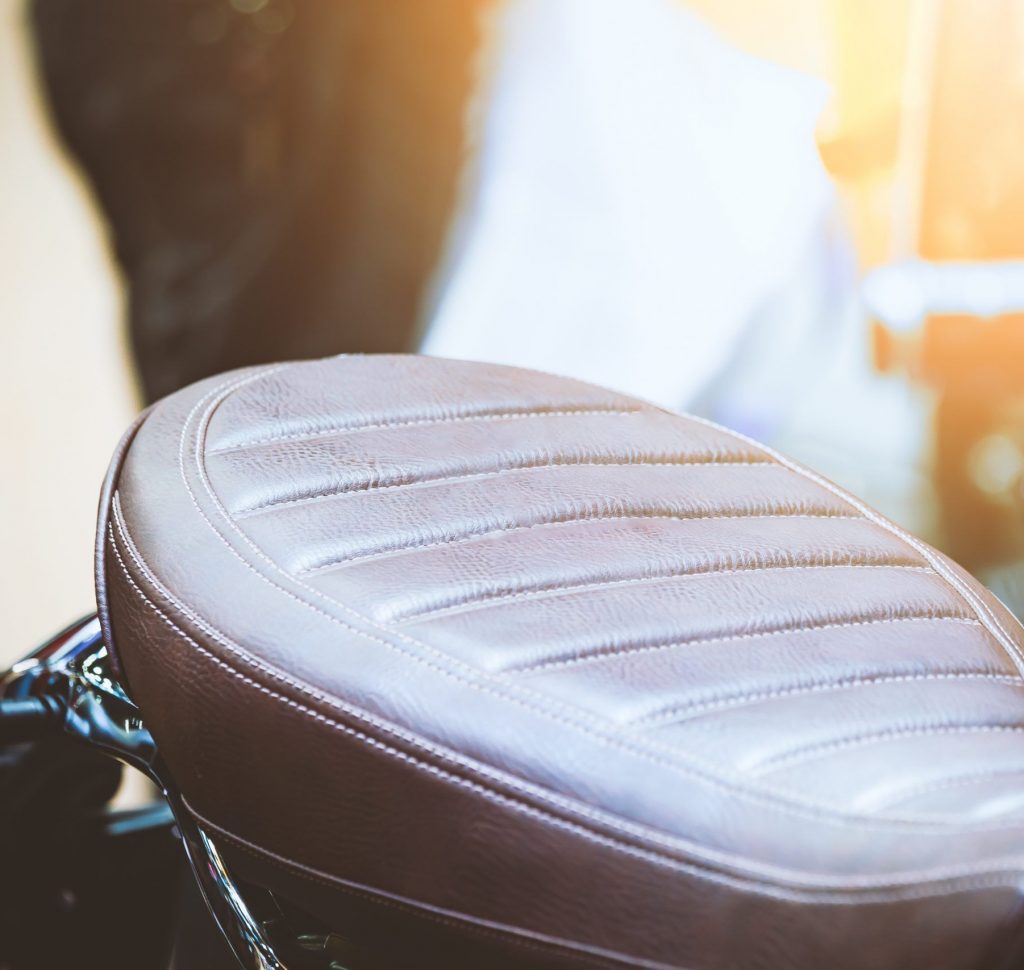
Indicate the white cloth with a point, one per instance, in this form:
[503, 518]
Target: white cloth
[642, 188]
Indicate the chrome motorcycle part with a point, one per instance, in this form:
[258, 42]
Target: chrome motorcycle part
[68, 685]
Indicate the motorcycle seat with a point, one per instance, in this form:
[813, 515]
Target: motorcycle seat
[487, 667]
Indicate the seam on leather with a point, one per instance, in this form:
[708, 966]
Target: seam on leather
[480, 771]
[370, 486]
[463, 923]
[559, 663]
[485, 600]
[561, 412]
[942, 784]
[99, 564]
[712, 775]
[977, 604]
[671, 714]
[939, 882]
[979, 607]
[455, 669]
[567, 520]
[810, 752]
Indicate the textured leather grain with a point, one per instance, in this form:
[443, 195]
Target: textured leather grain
[526, 661]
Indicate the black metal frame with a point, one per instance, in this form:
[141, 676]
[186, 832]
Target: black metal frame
[78, 696]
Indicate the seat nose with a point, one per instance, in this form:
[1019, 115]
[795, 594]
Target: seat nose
[482, 663]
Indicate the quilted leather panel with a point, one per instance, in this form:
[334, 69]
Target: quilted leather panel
[651, 623]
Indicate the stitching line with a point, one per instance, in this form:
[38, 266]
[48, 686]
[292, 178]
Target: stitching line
[416, 741]
[925, 788]
[814, 751]
[487, 600]
[566, 521]
[566, 804]
[369, 485]
[911, 880]
[977, 604]
[563, 412]
[564, 948]
[544, 705]
[375, 743]
[558, 663]
[670, 715]
[1007, 878]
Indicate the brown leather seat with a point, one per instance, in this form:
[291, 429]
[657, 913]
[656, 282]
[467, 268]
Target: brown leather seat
[507, 664]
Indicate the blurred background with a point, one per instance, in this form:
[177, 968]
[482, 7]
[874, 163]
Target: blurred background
[801, 218]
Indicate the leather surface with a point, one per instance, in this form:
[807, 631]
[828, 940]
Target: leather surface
[542, 663]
